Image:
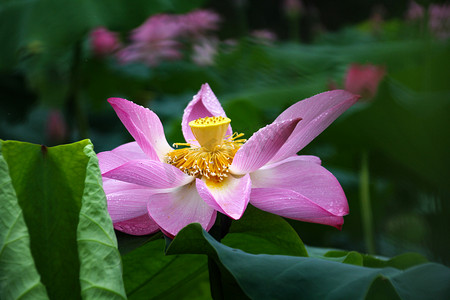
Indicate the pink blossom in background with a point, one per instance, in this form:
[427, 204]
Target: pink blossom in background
[204, 51]
[415, 11]
[439, 20]
[154, 41]
[264, 36]
[364, 79]
[161, 37]
[292, 7]
[198, 23]
[103, 41]
[156, 28]
[150, 185]
[56, 129]
[152, 53]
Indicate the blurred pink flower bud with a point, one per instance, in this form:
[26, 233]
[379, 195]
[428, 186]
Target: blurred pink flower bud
[364, 79]
[103, 41]
[56, 130]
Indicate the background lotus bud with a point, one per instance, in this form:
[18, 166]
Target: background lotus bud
[56, 129]
[292, 7]
[103, 41]
[364, 79]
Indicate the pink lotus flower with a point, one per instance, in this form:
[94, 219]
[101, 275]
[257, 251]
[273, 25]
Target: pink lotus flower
[150, 185]
[364, 79]
[103, 41]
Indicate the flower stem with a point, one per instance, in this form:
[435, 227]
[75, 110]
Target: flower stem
[294, 28]
[73, 101]
[215, 280]
[366, 209]
[215, 276]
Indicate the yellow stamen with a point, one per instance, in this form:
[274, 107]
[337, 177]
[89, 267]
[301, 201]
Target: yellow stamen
[215, 154]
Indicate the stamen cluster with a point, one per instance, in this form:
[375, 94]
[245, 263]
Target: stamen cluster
[200, 161]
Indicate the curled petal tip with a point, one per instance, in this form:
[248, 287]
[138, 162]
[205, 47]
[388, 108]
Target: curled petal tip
[113, 100]
[339, 225]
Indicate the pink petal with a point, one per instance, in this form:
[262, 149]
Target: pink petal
[229, 197]
[131, 151]
[109, 160]
[204, 104]
[317, 113]
[144, 125]
[180, 207]
[307, 178]
[290, 204]
[262, 146]
[310, 158]
[149, 173]
[125, 200]
[141, 225]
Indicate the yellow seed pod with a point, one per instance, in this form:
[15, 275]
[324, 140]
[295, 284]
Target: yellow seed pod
[210, 131]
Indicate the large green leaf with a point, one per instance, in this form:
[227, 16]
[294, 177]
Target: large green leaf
[289, 277]
[149, 274]
[71, 240]
[18, 274]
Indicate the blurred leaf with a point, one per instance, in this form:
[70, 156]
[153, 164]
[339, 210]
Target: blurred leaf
[149, 274]
[401, 262]
[404, 132]
[128, 243]
[168, 76]
[59, 192]
[290, 277]
[51, 27]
